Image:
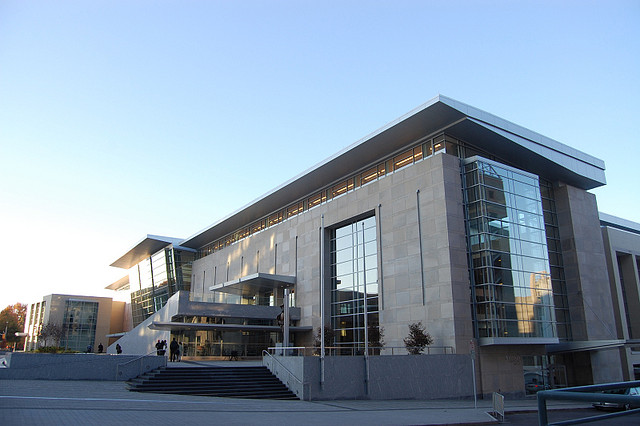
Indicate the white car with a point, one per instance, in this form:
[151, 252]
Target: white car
[619, 406]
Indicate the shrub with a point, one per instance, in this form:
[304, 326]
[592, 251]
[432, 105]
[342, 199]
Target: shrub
[417, 339]
[50, 349]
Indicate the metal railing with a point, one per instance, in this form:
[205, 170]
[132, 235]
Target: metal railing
[223, 349]
[351, 351]
[274, 365]
[592, 393]
[140, 358]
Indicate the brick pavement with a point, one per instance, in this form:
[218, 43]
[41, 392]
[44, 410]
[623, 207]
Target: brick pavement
[47, 402]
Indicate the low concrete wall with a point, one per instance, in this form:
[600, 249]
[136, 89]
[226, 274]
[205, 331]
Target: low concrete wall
[35, 366]
[390, 377]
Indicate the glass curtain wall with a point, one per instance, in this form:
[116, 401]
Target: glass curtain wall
[558, 282]
[221, 343]
[510, 272]
[354, 278]
[154, 280]
[79, 324]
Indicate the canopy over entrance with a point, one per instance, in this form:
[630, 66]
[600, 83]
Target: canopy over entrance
[182, 326]
[255, 283]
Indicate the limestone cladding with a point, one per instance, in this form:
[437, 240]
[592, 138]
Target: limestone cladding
[584, 259]
[438, 295]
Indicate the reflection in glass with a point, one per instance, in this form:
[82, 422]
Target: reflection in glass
[510, 269]
[354, 266]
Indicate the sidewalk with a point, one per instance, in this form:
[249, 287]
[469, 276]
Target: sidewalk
[45, 402]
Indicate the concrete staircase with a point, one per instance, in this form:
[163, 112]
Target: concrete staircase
[230, 382]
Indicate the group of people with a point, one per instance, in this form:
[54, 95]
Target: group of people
[101, 348]
[176, 349]
[161, 347]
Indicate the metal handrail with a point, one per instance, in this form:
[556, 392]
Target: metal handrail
[135, 359]
[351, 351]
[130, 361]
[590, 393]
[291, 375]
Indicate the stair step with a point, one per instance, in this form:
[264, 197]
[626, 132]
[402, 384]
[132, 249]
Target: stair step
[230, 382]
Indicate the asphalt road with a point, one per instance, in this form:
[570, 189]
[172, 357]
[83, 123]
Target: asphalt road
[561, 415]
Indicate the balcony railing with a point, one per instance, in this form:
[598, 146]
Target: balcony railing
[350, 351]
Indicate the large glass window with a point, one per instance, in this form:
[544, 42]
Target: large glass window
[558, 283]
[354, 278]
[510, 270]
[79, 324]
[155, 279]
[220, 342]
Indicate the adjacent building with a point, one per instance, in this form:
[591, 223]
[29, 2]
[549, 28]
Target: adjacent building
[482, 230]
[81, 321]
[622, 249]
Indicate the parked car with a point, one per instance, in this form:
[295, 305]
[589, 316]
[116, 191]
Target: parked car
[534, 382]
[534, 387]
[619, 406]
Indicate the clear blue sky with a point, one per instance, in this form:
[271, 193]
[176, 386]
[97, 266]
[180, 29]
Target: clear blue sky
[125, 118]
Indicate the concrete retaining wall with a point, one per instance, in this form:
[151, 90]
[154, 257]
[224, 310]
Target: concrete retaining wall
[390, 377]
[35, 366]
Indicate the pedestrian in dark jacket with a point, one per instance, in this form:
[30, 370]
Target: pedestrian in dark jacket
[173, 350]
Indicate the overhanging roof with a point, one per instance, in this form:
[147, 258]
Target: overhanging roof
[619, 223]
[570, 166]
[584, 345]
[144, 249]
[122, 282]
[519, 146]
[158, 325]
[254, 283]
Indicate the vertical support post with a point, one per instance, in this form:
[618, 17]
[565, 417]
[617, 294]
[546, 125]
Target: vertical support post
[379, 246]
[153, 285]
[542, 409]
[366, 321]
[473, 371]
[424, 299]
[322, 300]
[472, 347]
[285, 327]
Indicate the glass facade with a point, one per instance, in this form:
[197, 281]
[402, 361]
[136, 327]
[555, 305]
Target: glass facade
[509, 261]
[155, 279]
[223, 342]
[354, 279]
[558, 283]
[79, 324]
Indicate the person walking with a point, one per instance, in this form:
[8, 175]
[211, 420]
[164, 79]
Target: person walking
[180, 351]
[118, 348]
[173, 350]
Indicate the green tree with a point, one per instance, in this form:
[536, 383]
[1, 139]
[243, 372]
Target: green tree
[12, 320]
[417, 339]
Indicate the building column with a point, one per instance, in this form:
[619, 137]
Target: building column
[588, 290]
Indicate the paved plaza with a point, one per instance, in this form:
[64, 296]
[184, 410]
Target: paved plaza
[52, 402]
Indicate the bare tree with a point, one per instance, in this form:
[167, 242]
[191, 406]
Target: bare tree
[329, 335]
[51, 332]
[376, 336]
